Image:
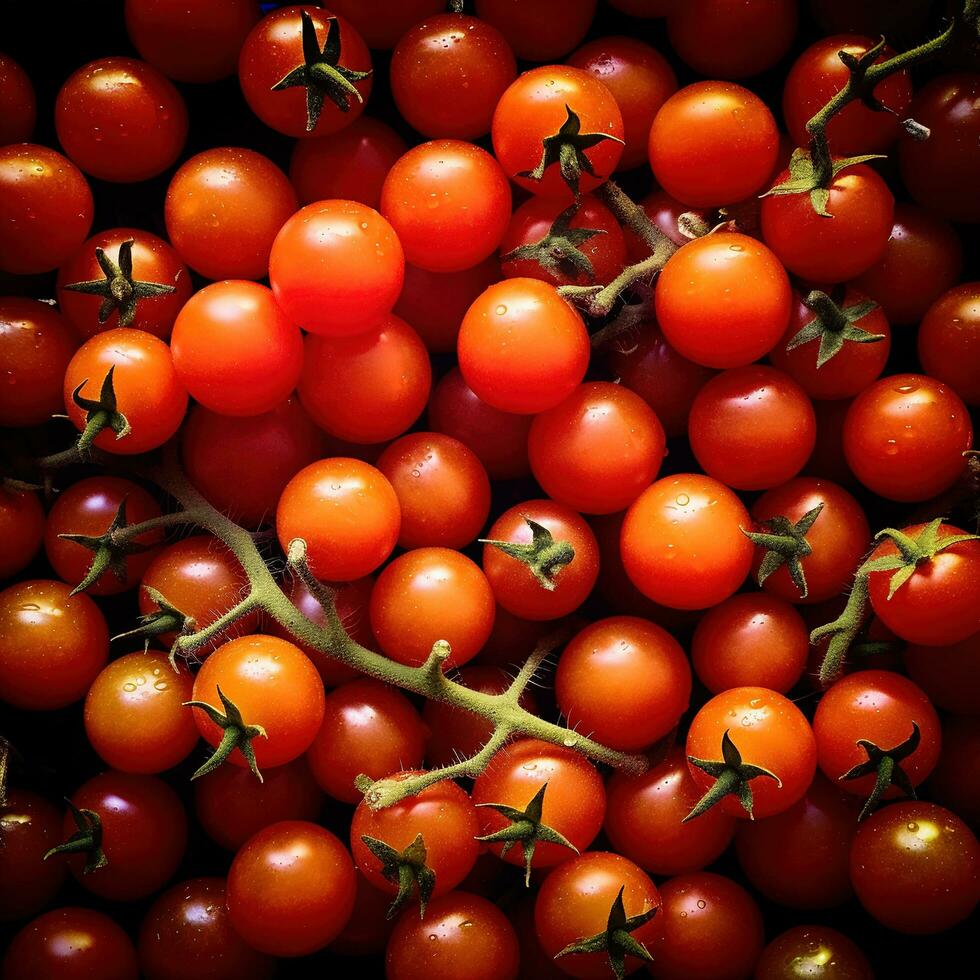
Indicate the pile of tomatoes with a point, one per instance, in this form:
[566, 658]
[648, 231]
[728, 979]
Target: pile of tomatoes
[347, 272]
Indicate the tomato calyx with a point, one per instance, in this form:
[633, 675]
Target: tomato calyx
[732, 776]
[525, 828]
[885, 765]
[806, 177]
[558, 252]
[544, 556]
[785, 544]
[167, 618]
[86, 840]
[320, 74]
[833, 325]
[237, 735]
[616, 940]
[118, 289]
[407, 869]
[567, 147]
[101, 413]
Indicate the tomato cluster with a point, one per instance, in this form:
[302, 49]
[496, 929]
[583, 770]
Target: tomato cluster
[576, 395]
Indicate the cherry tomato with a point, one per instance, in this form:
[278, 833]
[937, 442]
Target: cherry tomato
[382, 23]
[521, 347]
[682, 543]
[346, 511]
[29, 827]
[815, 951]
[432, 594]
[664, 211]
[723, 300]
[187, 935]
[52, 645]
[543, 31]
[148, 390]
[950, 675]
[949, 340]
[905, 435]
[336, 268]
[22, 524]
[955, 782]
[368, 728]
[368, 929]
[254, 199]
[48, 206]
[291, 889]
[18, 103]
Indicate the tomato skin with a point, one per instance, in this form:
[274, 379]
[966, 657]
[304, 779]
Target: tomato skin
[820, 951]
[905, 435]
[148, 390]
[750, 640]
[955, 782]
[521, 347]
[22, 523]
[597, 450]
[682, 544]
[939, 175]
[443, 490]
[819, 249]
[382, 23]
[18, 103]
[370, 728]
[574, 901]
[30, 827]
[291, 888]
[769, 731]
[49, 208]
[440, 948]
[232, 806]
[203, 579]
[199, 45]
[187, 935]
[814, 875]
[723, 300]
[53, 645]
[712, 929]
[71, 944]
[949, 340]
[431, 594]
[534, 107]
[713, 143]
[449, 203]
[644, 817]
[543, 32]
[120, 119]
[916, 868]
[274, 47]
[936, 606]
[630, 664]
[336, 268]
[346, 511]
[949, 675]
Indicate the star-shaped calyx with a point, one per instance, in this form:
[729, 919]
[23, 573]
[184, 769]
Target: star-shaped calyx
[785, 543]
[236, 734]
[567, 148]
[525, 828]
[616, 940]
[885, 766]
[100, 413]
[407, 869]
[805, 178]
[321, 74]
[834, 326]
[544, 556]
[87, 840]
[558, 252]
[118, 289]
[166, 618]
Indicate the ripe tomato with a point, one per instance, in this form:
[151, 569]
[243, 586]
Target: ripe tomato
[187, 935]
[368, 728]
[48, 206]
[22, 524]
[723, 300]
[713, 143]
[291, 889]
[916, 868]
[598, 449]
[313, 100]
[366, 388]
[950, 676]
[955, 782]
[274, 684]
[254, 199]
[821, 249]
[30, 826]
[368, 929]
[120, 119]
[383, 22]
[682, 543]
[624, 680]
[347, 513]
[18, 103]
[336, 268]
[134, 714]
[543, 31]
[148, 391]
[431, 594]
[949, 341]
[445, 945]
[52, 645]
[521, 347]
[813, 949]
[645, 813]
[905, 435]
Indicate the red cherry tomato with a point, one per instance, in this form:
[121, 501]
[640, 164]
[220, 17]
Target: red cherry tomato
[383, 22]
[809, 948]
[18, 103]
[949, 341]
[955, 782]
[543, 31]
[30, 827]
[22, 524]
[949, 675]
